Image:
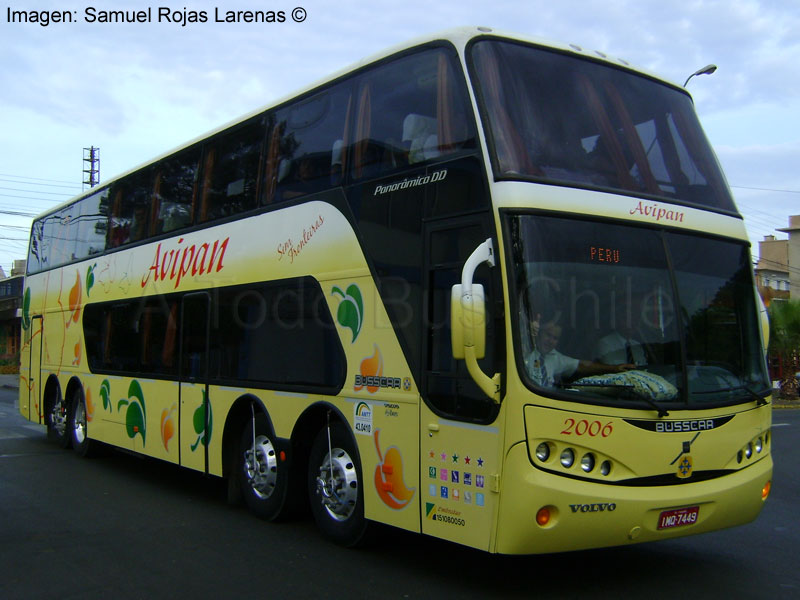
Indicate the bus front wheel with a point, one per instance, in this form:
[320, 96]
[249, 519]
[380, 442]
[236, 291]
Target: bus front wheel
[334, 486]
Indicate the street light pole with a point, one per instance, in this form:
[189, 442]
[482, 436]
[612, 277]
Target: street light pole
[707, 70]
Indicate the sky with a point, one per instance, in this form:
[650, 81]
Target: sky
[137, 90]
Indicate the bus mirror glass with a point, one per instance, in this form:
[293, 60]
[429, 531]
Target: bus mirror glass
[468, 321]
[764, 321]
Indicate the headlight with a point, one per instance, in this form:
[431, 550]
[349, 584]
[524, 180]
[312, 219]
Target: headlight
[567, 458]
[587, 462]
[543, 451]
[605, 468]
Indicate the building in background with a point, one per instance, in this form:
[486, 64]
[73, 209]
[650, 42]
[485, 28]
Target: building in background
[793, 258]
[10, 318]
[772, 269]
[778, 267]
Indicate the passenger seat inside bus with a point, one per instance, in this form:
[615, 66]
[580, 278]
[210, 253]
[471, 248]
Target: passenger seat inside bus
[421, 134]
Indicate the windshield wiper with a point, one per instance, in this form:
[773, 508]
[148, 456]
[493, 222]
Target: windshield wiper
[662, 412]
[760, 400]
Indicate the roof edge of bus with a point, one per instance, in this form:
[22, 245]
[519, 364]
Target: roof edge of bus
[458, 36]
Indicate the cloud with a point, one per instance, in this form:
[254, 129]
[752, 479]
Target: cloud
[138, 90]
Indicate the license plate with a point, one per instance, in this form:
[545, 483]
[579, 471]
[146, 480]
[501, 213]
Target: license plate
[678, 518]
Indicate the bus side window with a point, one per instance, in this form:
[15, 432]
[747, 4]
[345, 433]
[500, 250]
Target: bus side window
[306, 149]
[263, 328]
[410, 111]
[61, 230]
[93, 224]
[130, 209]
[230, 180]
[157, 332]
[175, 187]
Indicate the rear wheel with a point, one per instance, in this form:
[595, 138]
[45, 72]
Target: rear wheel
[76, 425]
[56, 420]
[262, 474]
[334, 486]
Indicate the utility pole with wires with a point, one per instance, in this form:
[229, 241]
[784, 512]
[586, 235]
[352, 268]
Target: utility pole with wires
[91, 158]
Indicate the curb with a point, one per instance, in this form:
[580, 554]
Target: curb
[786, 405]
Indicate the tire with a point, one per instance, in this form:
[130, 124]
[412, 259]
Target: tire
[56, 418]
[262, 474]
[335, 487]
[76, 427]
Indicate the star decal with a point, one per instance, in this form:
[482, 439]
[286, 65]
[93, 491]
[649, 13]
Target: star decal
[455, 458]
[466, 460]
[480, 462]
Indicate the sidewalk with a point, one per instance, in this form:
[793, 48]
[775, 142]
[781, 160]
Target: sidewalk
[9, 382]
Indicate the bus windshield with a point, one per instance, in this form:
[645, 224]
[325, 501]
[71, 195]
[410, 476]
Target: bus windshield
[563, 120]
[604, 295]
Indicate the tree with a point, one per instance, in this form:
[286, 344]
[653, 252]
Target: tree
[784, 342]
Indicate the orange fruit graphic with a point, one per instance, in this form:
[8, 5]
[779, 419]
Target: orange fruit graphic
[167, 426]
[89, 405]
[389, 478]
[75, 300]
[371, 367]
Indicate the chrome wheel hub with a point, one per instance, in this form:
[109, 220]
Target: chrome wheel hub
[261, 466]
[58, 417]
[80, 422]
[337, 484]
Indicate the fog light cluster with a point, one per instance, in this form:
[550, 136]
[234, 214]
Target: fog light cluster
[753, 448]
[569, 457]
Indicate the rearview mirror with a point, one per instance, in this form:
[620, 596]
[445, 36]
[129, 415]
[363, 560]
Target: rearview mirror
[468, 321]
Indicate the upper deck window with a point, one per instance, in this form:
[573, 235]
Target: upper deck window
[569, 121]
[408, 111]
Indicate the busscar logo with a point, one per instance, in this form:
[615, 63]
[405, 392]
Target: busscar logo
[374, 381]
[683, 426]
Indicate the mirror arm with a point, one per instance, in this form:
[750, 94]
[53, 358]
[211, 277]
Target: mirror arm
[489, 385]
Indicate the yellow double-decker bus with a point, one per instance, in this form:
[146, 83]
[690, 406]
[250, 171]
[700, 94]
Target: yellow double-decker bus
[489, 289]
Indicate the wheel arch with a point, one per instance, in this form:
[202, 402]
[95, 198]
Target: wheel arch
[313, 419]
[52, 393]
[237, 415]
[74, 385]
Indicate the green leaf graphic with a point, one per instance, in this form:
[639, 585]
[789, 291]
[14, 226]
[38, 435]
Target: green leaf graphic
[134, 421]
[350, 313]
[135, 415]
[198, 420]
[105, 394]
[90, 279]
[26, 310]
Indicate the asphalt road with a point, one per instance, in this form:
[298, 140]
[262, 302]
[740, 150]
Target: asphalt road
[123, 527]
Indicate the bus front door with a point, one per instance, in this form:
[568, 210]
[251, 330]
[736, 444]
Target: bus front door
[194, 411]
[33, 381]
[460, 436]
